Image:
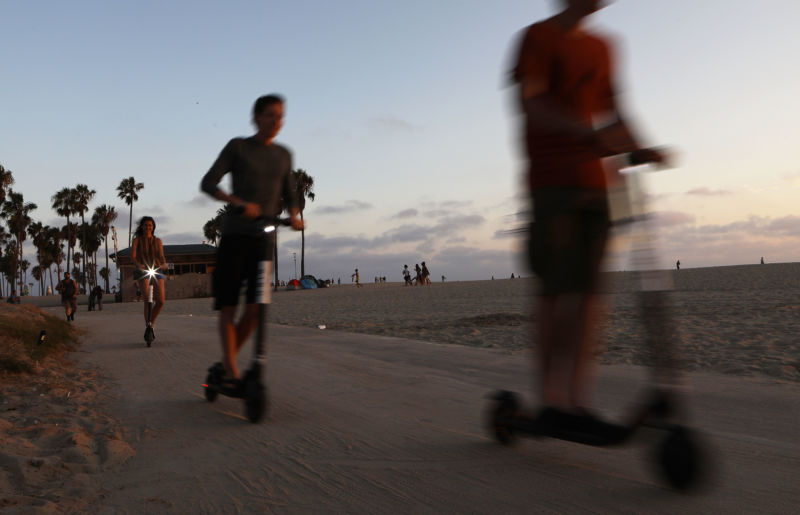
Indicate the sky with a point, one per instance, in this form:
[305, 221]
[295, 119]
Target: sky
[400, 112]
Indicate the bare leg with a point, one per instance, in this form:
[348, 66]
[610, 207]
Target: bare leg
[145, 292]
[159, 296]
[246, 325]
[227, 333]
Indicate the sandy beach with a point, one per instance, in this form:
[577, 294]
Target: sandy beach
[390, 419]
[739, 320]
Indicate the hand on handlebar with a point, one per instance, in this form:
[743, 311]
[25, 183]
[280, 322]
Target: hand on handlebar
[654, 155]
[297, 223]
[249, 210]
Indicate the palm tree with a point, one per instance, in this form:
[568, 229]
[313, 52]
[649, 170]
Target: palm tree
[90, 247]
[304, 185]
[15, 211]
[77, 257]
[54, 251]
[82, 197]
[212, 229]
[6, 180]
[9, 263]
[4, 236]
[128, 191]
[63, 203]
[103, 217]
[36, 272]
[37, 233]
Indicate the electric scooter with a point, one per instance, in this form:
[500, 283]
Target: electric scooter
[679, 454]
[150, 274]
[251, 388]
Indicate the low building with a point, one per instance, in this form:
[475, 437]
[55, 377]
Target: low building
[188, 273]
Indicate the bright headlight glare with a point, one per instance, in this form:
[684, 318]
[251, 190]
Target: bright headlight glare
[269, 228]
[151, 272]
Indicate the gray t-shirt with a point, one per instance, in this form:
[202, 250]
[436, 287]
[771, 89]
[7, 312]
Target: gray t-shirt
[260, 173]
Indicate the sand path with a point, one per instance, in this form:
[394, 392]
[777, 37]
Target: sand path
[365, 423]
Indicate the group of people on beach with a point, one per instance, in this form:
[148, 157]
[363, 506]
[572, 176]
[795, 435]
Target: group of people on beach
[422, 276]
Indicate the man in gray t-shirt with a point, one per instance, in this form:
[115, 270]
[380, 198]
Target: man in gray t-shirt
[262, 185]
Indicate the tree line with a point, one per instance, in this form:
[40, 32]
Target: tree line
[52, 242]
[89, 236]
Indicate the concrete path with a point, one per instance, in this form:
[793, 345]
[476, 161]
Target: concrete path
[361, 423]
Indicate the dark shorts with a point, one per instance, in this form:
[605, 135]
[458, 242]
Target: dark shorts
[238, 258]
[568, 238]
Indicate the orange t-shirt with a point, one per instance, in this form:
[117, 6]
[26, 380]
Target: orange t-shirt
[576, 69]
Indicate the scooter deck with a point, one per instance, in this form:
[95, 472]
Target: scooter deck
[583, 429]
[554, 423]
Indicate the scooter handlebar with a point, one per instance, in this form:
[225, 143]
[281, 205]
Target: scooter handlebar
[266, 220]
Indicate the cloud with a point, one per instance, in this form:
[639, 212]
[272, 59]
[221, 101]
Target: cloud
[406, 213]
[390, 123]
[182, 238]
[444, 208]
[202, 200]
[453, 224]
[707, 192]
[350, 206]
[671, 218]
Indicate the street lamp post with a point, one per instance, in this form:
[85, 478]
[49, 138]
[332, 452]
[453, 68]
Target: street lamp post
[294, 254]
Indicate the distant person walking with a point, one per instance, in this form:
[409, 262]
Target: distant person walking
[357, 278]
[418, 277]
[407, 276]
[426, 274]
[98, 297]
[762, 260]
[69, 295]
[678, 264]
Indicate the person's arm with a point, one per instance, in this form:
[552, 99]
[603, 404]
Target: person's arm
[74, 289]
[135, 255]
[210, 182]
[162, 261]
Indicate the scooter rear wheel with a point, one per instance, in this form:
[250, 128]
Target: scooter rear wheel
[679, 457]
[255, 400]
[502, 417]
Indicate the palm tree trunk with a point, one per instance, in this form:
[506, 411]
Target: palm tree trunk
[302, 248]
[69, 232]
[130, 224]
[21, 279]
[107, 275]
[50, 270]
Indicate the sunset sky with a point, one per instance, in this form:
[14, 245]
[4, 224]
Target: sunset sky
[400, 112]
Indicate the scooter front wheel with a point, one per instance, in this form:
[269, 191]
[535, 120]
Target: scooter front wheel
[501, 417]
[211, 394]
[680, 459]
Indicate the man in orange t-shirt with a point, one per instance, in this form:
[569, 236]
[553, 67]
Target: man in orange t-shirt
[564, 77]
